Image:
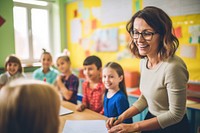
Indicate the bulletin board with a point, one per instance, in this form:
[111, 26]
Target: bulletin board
[98, 27]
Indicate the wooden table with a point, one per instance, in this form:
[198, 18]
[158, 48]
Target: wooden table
[85, 115]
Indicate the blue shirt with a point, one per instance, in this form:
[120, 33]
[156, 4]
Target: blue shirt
[49, 77]
[116, 105]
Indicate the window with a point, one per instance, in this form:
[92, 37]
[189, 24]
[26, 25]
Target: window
[32, 29]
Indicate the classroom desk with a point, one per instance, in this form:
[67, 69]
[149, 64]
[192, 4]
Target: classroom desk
[85, 115]
[195, 106]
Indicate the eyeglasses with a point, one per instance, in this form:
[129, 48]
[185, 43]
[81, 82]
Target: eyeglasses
[147, 36]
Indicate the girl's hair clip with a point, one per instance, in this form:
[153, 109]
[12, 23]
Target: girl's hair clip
[44, 50]
[66, 52]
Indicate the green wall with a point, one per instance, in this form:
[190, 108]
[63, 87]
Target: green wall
[62, 23]
[6, 30]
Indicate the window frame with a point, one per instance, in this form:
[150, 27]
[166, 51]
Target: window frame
[48, 7]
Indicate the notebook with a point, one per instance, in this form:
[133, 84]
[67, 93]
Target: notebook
[64, 111]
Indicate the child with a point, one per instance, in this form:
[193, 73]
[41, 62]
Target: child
[67, 82]
[29, 106]
[115, 99]
[46, 73]
[13, 68]
[93, 88]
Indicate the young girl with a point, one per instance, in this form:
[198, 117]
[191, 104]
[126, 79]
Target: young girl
[67, 82]
[115, 99]
[13, 70]
[46, 73]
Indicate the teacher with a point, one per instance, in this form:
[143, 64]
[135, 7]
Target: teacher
[164, 76]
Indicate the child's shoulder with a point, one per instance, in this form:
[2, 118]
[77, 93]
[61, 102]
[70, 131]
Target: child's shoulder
[73, 76]
[19, 75]
[101, 85]
[23, 75]
[3, 77]
[4, 74]
[98, 86]
[38, 70]
[54, 70]
[120, 95]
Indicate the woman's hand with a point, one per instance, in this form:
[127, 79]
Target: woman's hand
[124, 128]
[112, 122]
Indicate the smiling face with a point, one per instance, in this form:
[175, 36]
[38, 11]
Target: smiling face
[111, 79]
[145, 48]
[12, 68]
[91, 72]
[63, 65]
[46, 61]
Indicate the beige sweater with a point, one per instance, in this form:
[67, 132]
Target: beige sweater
[163, 90]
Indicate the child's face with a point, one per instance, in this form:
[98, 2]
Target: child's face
[63, 65]
[12, 68]
[111, 79]
[91, 72]
[46, 61]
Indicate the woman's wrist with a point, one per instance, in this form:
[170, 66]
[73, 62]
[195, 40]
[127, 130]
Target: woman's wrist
[120, 118]
[137, 126]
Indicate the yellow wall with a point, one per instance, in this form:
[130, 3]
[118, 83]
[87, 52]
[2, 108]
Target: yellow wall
[79, 53]
[185, 22]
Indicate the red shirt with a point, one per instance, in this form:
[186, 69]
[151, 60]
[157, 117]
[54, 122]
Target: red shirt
[93, 97]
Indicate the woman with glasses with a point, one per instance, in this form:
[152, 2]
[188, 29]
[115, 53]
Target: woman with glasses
[164, 76]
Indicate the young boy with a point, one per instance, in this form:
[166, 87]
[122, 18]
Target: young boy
[93, 88]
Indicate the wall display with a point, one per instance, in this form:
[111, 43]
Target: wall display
[99, 27]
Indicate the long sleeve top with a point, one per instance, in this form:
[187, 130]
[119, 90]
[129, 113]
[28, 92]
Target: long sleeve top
[163, 90]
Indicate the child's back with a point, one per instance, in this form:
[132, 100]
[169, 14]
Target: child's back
[29, 106]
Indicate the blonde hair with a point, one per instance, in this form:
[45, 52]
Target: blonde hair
[64, 57]
[29, 106]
